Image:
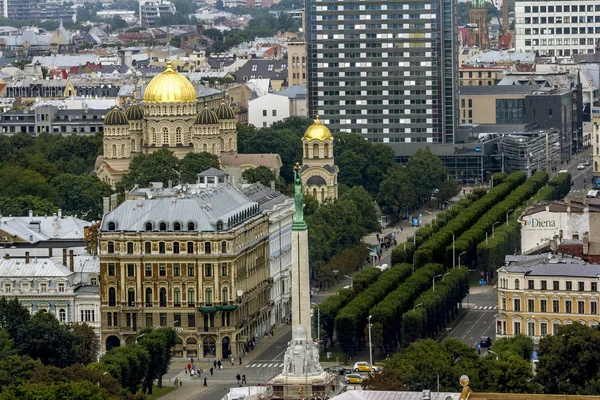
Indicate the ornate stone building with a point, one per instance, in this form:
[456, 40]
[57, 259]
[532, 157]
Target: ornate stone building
[319, 172]
[478, 14]
[196, 260]
[169, 117]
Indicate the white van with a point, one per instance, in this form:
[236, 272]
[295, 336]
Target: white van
[382, 267]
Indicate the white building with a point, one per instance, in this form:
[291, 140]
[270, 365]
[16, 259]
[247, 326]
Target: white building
[557, 28]
[280, 210]
[43, 237]
[71, 293]
[268, 109]
[151, 11]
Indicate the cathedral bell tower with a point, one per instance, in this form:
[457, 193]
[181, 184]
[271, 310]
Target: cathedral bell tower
[319, 172]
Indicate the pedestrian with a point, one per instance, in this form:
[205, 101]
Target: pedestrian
[191, 360]
[192, 374]
[211, 371]
[186, 370]
[205, 385]
[240, 360]
[238, 378]
[180, 381]
[215, 364]
[220, 364]
[176, 380]
[244, 379]
[378, 240]
[231, 359]
[189, 366]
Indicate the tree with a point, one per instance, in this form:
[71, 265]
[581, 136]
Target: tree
[396, 192]
[366, 208]
[80, 194]
[17, 181]
[376, 335]
[12, 316]
[127, 364]
[66, 391]
[87, 343]
[194, 163]
[426, 172]
[519, 345]
[160, 166]
[159, 344]
[384, 380]
[260, 174]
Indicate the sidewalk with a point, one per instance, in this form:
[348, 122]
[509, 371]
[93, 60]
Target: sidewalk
[193, 387]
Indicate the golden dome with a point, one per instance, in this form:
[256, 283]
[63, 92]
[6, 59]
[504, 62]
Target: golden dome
[169, 87]
[317, 131]
[115, 117]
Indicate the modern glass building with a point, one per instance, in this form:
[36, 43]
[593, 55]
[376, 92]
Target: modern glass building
[384, 69]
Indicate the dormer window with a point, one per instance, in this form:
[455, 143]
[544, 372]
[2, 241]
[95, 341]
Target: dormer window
[162, 226]
[210, 179]
[176, 226]
[200, 179]
[112, 226]
[148, 226]
[61, 287]
[191, 226]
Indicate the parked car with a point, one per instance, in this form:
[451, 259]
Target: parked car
[354, 378]
[337, 369]
[363, 366]
[587, 162]
[580, 166]
[485, 341]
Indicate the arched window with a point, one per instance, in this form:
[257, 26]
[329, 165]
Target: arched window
[191, 226]
[315, 151]
[214, 149]
[162, 226]
[224, 247]
[114, 150]
[112, 297]
[177, 297]
[122, 150]
[326, 151]
[175, 247]
[176, 226]
[207, 247]
[132, 144]
[191, 297]
[178, 110]
[62, 315]
[129, 247]
[178, 135]
[306, 151]
[163, 297]
[208, 299]
[161, 248]
[148, 226]
[219, 225]
[112, 226]
[204, 148]
[154, 138]
[111, 247]
[148, 297]
[131, 297]
[230, 144]
[225, 298]
[323, 197]
[222, 144]
[517, 284]
[165, 135]
[314, 193]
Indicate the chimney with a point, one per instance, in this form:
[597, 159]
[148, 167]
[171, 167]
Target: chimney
[59, 213]
[71, 261]
[106, 204]
[273, 185]
[586, 243]
[50, 252]
[113, 202]
[64, 257]
[30, 214]
[170, 184]
[26, 257]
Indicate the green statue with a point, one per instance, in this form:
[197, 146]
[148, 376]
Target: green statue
[298, 223]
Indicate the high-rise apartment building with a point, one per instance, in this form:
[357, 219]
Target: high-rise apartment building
[557, 28]
[384, 69]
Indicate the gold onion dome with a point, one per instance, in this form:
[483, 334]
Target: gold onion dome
[206, 117]
[134, 112]
[115, 117]
[317, 131]
[224, 111]
[169, 87]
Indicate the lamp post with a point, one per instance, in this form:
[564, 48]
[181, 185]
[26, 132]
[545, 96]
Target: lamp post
[508, 212]
[493, 231]
[136, 339]
[370, 344]
[351, 281]
[318, 324]
[432, 216]
[493, 352]
[433, 280]
[516, 213]
[453, 252]
[464, 252]
[418, 305]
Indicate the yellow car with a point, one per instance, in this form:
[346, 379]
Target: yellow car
[354, 378]
[363, 366]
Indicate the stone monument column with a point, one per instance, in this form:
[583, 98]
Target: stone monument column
[300, 272]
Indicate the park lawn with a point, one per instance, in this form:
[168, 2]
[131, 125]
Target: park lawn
[156, 392]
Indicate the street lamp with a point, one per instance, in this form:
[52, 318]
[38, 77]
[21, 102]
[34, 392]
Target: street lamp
[516, 213]
[318, 324]
[493, 231]
[370, 343]
[351, 281]
[453, 252]
[136, 339]
[493, 352]
[464, 252]
[432, 217]
[418, 305]
[508, 212]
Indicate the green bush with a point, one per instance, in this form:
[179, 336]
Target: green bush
[439, 306]
[562, 182]
[499, 177]
[507, 240]
[352, 319]
[389, 311]
[469, 239]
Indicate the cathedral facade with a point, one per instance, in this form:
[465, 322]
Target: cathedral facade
[169, 117]
[319, 172]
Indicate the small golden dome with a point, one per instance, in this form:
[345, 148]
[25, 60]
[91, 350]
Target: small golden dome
[206, 117]
[115, 117]
[169, 87]
[317, 131]
[134, 112]
[224, 111]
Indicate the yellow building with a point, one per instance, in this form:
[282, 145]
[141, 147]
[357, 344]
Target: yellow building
[296, 62]
[196, 260]
[169, 117]
[469, 75]
[535, 299]
[319, 172]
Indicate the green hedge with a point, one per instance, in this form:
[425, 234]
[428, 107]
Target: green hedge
[331, 306]
[469, 239]
[507, 240]
[400, 255]
[389, 311]
[438, 307]
[562, 182]
[499, 177]
[433, 249]
[352, 319]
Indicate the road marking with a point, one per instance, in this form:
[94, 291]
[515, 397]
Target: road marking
[471, 328]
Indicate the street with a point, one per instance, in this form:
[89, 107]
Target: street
[479, 320]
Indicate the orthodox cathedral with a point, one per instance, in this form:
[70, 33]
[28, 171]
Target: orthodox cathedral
[170, 117]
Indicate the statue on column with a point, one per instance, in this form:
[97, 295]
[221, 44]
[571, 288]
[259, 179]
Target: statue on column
[302, 356]
[298, 196]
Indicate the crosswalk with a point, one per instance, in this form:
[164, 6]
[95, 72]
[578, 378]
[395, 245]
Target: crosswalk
[484, 307]
[265, 365]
